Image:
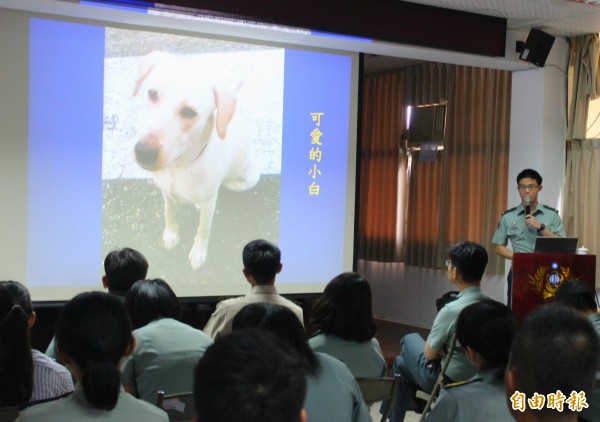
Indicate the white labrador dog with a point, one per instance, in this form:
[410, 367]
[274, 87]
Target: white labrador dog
[193, 141]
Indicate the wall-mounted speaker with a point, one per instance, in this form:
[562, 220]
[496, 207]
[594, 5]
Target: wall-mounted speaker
[537, 47]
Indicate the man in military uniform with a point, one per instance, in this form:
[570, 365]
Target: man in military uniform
[485, 331]
[581, 297]
[554, 355]
[521, 228]
[420, 360]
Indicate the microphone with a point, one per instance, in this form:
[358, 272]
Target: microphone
[527, 204]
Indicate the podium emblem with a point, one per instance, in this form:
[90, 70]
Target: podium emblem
[546, 280]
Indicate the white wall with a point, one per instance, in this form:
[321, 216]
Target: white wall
[407, 294]
[537, 132]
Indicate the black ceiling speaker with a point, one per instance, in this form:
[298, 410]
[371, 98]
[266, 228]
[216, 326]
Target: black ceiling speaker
[537, 47]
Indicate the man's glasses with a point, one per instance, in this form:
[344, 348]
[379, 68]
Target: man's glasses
[523, 188]
[448, 263]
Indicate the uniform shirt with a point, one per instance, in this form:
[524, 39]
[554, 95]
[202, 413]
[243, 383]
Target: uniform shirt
[363, 359]
[595, 320]
[481, 399]
[164, 358]
[50, 379]
[522, 238]
[220, 321]
[51, 350]
[442, 330]
[77, 408]
[333, 394]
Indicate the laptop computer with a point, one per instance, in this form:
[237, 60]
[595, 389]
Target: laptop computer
[555, 244]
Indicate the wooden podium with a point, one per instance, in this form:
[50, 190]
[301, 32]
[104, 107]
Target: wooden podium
[536, 276]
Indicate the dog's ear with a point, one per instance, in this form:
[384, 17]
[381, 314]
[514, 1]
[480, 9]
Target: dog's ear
[226, 103]
[146, 66]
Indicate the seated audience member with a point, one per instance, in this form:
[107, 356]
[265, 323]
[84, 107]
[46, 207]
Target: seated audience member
[249, 376]
[346, 326]
[93, 335]
[552, 365]
[579, 296]
[26, 374]
[262, 263]
[484, 331]
[419, 362]
[122, 268]
[167, 350]
[332, 393]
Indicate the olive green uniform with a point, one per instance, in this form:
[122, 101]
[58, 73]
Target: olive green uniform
[480, 399]
[522, 237]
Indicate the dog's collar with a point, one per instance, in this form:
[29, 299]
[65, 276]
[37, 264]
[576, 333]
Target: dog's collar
[204, 136]
[200, 152]
[181, 161]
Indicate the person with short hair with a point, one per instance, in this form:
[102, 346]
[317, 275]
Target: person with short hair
[167, 349]
[553, 362]
[420, 361]
[26, 374]
[484, 330]
[346, 327]
[262, 263]
[93, 335]
[122, 268]
[580, 296]
[249, 376]
[332, 393]
[521, 228]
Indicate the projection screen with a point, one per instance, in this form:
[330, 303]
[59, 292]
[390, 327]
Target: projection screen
[119, 128]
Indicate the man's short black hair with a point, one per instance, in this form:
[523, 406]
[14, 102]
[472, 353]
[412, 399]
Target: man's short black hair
[470, 259]
[488, 327]
[576, 294]
[249, 376]
[122, 268]
[261, 259]
[529, 174]
[556, 348]
[284, 324]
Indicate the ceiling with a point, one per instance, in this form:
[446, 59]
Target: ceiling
[567, 18]
[564, 18]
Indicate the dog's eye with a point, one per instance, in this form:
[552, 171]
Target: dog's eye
[153, 95]
[187, 113]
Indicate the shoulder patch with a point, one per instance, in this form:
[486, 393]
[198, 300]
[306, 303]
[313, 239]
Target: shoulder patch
[458, 384]
[550, 208]
[509, 210]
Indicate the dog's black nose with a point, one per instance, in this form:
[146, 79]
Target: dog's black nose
[145, 155]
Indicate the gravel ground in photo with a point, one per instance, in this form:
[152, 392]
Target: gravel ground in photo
[133, 216]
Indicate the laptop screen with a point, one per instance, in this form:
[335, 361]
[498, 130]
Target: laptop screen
[555, 244]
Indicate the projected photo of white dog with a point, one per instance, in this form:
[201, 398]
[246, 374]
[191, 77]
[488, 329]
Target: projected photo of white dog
[193, 141]
[191, 150]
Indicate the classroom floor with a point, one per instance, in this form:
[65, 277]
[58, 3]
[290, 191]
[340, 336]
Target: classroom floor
[410, 416]
[389, 335]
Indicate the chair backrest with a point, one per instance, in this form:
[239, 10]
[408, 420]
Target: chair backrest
[8, 414]
[440, 380]
[179, 407]
[379, 389]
